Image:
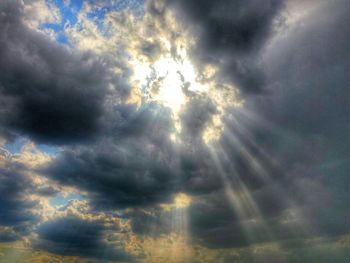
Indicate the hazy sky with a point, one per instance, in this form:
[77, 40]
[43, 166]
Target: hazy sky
[182, 131]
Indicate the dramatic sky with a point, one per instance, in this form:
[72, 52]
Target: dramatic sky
[180, 131]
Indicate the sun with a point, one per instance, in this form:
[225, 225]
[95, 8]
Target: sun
[167, 80]
[173, 81]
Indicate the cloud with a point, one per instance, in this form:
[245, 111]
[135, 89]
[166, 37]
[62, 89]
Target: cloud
[16, 209]
[300, 125]
[288, 147]
[75, 237]
[307, 74]
[274, 169]
[49, 92]
[152, 223]
[134, 168]
[229, 34]
[22, 191]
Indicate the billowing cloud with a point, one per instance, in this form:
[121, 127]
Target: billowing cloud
[136, 168]
[211, 130]
[76, 237]
[16, 215]
[230, 34]
[16, 208]
[49, 92]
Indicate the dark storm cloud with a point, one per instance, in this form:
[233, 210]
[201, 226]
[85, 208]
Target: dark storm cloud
[198, 172]
[215, 224]
[16, 211]
[302, 124]
[297, 132]
[195, 116]
[47, 91]
[230, 34]
[308, 74]
[135, 168]
[153, 222]
[75, 237]
[140, 166]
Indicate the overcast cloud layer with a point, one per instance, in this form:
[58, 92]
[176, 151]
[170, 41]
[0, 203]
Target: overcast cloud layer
[99, 165]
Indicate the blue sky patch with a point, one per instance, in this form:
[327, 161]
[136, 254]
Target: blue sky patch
[60, 200]
[70, 10]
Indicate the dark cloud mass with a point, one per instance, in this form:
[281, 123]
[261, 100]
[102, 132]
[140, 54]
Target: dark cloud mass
[76, 237]
[276, 179]
[297, 133]
[48, 92]
[15, 208]
[135, 168]
[303, 125]
[309, 99]
[230, 34]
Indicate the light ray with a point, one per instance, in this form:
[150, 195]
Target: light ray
[242, 142]
[241, 200]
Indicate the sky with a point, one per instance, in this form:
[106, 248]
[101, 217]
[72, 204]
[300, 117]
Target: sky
[183, 131]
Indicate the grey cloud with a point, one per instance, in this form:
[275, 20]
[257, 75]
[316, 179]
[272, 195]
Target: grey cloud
[196, 116]
[293, 145]
[16, 211]
[49, 92]
[297, 131]
[230, 34]
[302, 124]
[75, 237]
[307, 72]
[135, 168]
[153, 222]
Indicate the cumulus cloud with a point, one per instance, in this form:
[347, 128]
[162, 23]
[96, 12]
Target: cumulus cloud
[230, 34]
[136, 168]
[16, 209]
[258, 140]
[76, 237]
[49, 92]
